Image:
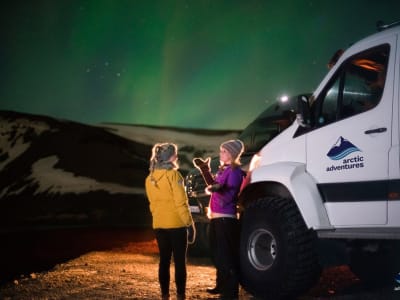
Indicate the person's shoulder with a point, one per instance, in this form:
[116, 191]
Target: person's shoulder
[238, 171]
[175, 176]
[174, 173]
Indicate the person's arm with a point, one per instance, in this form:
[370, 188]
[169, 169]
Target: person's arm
[213, 188]
[180, 198]
[228, 186]
[233, 183]
[148, 188]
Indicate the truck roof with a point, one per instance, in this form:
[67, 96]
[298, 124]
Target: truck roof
[391, 29]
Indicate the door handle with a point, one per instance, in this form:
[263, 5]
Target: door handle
[377, 130]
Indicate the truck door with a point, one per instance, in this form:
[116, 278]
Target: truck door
[349, 143]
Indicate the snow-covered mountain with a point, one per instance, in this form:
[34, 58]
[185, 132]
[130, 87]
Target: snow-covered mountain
[58, 173]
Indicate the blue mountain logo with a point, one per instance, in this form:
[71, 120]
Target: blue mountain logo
[341, 149]
[397, 278]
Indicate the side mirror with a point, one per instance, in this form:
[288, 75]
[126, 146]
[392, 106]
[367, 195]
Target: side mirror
[303, 111]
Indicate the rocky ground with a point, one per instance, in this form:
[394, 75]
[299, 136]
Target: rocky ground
[122, 264]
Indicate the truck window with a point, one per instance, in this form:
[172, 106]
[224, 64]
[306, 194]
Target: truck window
[268, 124]
[356, 87]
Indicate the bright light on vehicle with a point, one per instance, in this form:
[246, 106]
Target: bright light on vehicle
[194, 209]
[208, 212]
[255, 162]
[284, 98]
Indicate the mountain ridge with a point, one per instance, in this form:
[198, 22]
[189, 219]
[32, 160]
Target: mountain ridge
[63, 173]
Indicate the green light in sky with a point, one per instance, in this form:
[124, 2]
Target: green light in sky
[207, 64]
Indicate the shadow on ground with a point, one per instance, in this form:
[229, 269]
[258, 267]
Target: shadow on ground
[37, 251]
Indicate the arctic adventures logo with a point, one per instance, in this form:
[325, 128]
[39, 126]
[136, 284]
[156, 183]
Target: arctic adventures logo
[397, 280]
[346, 154]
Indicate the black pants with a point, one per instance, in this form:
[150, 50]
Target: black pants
[172, 242]
[224, 242]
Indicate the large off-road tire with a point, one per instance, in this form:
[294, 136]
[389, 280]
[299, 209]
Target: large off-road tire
[375, 262]
[277, 252]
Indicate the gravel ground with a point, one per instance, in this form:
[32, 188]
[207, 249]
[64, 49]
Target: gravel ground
[123, 265]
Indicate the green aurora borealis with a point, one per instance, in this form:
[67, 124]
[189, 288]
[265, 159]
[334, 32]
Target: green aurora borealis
[194, 64]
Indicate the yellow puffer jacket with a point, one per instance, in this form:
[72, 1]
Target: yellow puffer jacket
[168, 200]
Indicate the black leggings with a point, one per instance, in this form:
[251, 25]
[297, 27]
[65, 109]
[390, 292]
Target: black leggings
[172, 242]
[224, 243]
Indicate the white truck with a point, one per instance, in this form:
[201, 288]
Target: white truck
[326, 191]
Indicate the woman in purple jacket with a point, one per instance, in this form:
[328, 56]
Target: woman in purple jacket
[224, 226]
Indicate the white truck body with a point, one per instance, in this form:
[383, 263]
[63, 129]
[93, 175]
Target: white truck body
[376, 160]
[329, 184]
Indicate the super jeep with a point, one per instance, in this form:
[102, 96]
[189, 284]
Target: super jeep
[273, 120]
[326, 191]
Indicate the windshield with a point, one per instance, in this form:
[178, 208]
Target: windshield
[268, 124]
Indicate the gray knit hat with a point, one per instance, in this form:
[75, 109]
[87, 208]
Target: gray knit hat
[161, 155]
[234, 147]
[165, 152]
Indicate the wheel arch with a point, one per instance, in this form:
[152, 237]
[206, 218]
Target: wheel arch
[288, 180]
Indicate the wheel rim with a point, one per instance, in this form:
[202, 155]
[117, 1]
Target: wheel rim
[261, 249]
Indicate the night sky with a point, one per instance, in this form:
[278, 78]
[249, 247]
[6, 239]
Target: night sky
[193, 64]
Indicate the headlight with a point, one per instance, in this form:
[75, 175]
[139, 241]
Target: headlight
[255, 162]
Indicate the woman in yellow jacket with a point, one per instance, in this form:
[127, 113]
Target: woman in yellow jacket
[171, 215]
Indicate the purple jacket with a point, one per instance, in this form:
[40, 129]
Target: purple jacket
[224, 200]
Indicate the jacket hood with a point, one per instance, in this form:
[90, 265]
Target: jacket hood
[157, 175]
